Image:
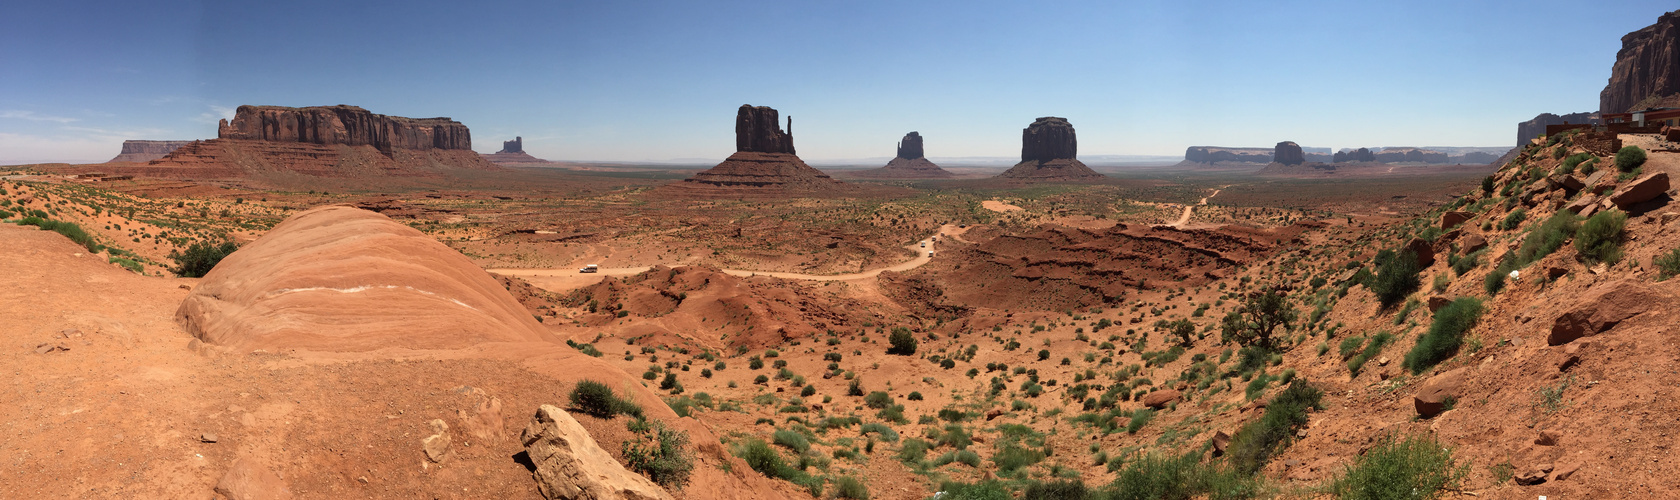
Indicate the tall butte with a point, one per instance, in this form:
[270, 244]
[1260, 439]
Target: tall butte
[910, 163]
[1048, 152]
[1647, 69]
[764, 161]
[513, 154]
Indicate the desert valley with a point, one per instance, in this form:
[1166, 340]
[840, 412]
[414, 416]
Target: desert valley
[332, 302]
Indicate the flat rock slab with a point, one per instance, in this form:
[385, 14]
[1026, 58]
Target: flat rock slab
[569, 464]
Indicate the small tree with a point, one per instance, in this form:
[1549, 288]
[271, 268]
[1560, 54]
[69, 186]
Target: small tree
[200, 258]
[1397, 276]
[1258, 318]
[1629, 158]
[1183, 329]
[903, 342]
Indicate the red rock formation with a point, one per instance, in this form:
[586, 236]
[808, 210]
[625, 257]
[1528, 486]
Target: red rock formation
[1410, 155]
[763, 162]
[348, 125]
[1356, 156]
[1647, 67]
[1288, 153]
[1214, 154]
[517, 145]
[241, 159]
[1048, 152]
[911, 147]
[1534, 128]
[144, 151]
[757, 131]
[909, 164]
[513, 155]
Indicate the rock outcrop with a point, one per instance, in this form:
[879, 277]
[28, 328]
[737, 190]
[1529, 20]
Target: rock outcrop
[1361, 155]
[908, 164]
[571, 465]
[342, 279]
[1536, 127]
[1049, 151]
[1288, 153]
[144, 151]
[1647, 67]
[1216, 154]
[513, 155]
[1473, 158]
[1602, 308]
[342, 124]
[763, 162]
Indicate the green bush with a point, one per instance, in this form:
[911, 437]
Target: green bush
[1397, 276]
[987, 490]
[878, 400]
[662, 456]
[1667, 264]
[597, 400]
[1590, 166]
[1415, 467]
[1140, 418]
[200, 258]
[1550, 236]
[1600, 238]
[850, 487]
[764, 459]
[965, 457]
[1513, 219]
[68, 229]
[128, 264]
[913, 450]
[903, 342]
[887, 433]
[1012, 457]
[1256, 443]
[792, 440]
[1573, 161]
[1067, 489]
[1157, 477]
[1463, 264]
[1445, 334]
[1629, 158]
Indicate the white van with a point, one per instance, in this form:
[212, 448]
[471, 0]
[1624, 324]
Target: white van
[592, 268]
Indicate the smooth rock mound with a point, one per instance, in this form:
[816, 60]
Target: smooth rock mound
[569, 464]
[344, 279]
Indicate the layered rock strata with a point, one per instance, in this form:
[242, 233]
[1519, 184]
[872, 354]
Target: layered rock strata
[144, 151]
[1647, 67]
[342, 124]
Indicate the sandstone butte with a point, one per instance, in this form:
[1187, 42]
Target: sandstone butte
[513, 154]
[1049, 152]
[764, 161]
[909, 163]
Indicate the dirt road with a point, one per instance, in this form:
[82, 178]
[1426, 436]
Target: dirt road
[1185, 219]
[569, 278]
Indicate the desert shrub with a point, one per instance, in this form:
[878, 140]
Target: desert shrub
[1487, 184]
[965, 457]
[1667, 264]
[1012, 457]
[878, 400]
[913, 396]
[1372, 348]
[597, 400]
[662, 456]
[1140, 418]
[128, 264]
[1254, 322]
[1463, 264]
[1600, 238]
[1445, 334]
[903, 342]
[1550, 236]
[987, 490]
[1165, 477]
[764, 459]
[1256, 443]
[850, 487]
[894, 414]
[887, 433]
[1513, 219]
[1067, 489]
[1573, 161]
[200, 258]
[954, 436]
[1629, 158]
[1414, 467]
[68, 229]
[792, 440]
[913, 450]
[1397, 276]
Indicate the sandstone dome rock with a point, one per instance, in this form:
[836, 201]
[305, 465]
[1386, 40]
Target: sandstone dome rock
[337, 278]
[1049, 151]
[910, 163]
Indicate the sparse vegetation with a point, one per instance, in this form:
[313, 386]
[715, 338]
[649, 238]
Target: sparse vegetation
[1413, 467]
[1254, 323]
[1629, 158]
[597, 400]
[903, 342]
[1600, 238]
[661, 454]
[200, 258]
[1445, 334]
[1397, 276]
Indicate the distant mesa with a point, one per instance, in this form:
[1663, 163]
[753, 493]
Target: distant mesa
[764, 161]
[1410, 155]
[144, 151]
[910, 163]
[1527, 131]
[1647, 70]
[1217, 154]
[1361, 155]
[513, 155]
[1288, 153]
[278, 142]
[1049, 151]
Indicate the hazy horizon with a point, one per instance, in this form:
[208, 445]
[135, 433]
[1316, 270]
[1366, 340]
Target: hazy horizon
[654, 82]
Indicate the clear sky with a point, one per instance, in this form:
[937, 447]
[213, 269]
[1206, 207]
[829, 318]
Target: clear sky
[631, 80]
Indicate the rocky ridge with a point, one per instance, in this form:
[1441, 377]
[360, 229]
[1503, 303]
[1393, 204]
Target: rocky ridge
[144, 151]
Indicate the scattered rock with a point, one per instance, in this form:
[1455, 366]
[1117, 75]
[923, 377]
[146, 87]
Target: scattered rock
[1431, 399]
[1531, 478]
[1566, 182]
[1601, 309]
[486, 423]
[1640, 190]
[1471, 244]
[1564, 472]
[208, 437]
[1547, 438]
[1221, 441]
[437, 444]
[50, 347]
[1383, 361]
[1159, 399]
[1436, 302]
[994, 413]
[569, 464]
[1425, 251]
[249, 480]
[1450, 220]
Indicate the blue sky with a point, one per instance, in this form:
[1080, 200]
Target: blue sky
[628, 80]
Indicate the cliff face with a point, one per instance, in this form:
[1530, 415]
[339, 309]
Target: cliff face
[347, 125]
[1533, 128]
[144, 151]
[911, 147]
[1647, 67]
[1411, 155]
[757, 131]
[1049, 138]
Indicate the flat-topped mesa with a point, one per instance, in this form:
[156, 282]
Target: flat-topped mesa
[1410, 155]
[1049, 138]
[517, 145]
[757, 131]
[1048, 152]
[1361, 155]
[144, 151]
[1288, 153]
[343, 124]
[911, 147]
[1647, 69]
[1215, 154]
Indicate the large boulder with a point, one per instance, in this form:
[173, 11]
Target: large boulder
[1160, 399]
[1640, 190]
[1450, 220]
[1472, 243]
[570, 465]
[1431, 399]
[343, 279]
[1425, 251]
[1602, 308]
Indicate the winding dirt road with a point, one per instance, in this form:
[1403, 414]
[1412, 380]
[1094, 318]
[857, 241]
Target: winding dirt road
[567, 278]
[1185, 219]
